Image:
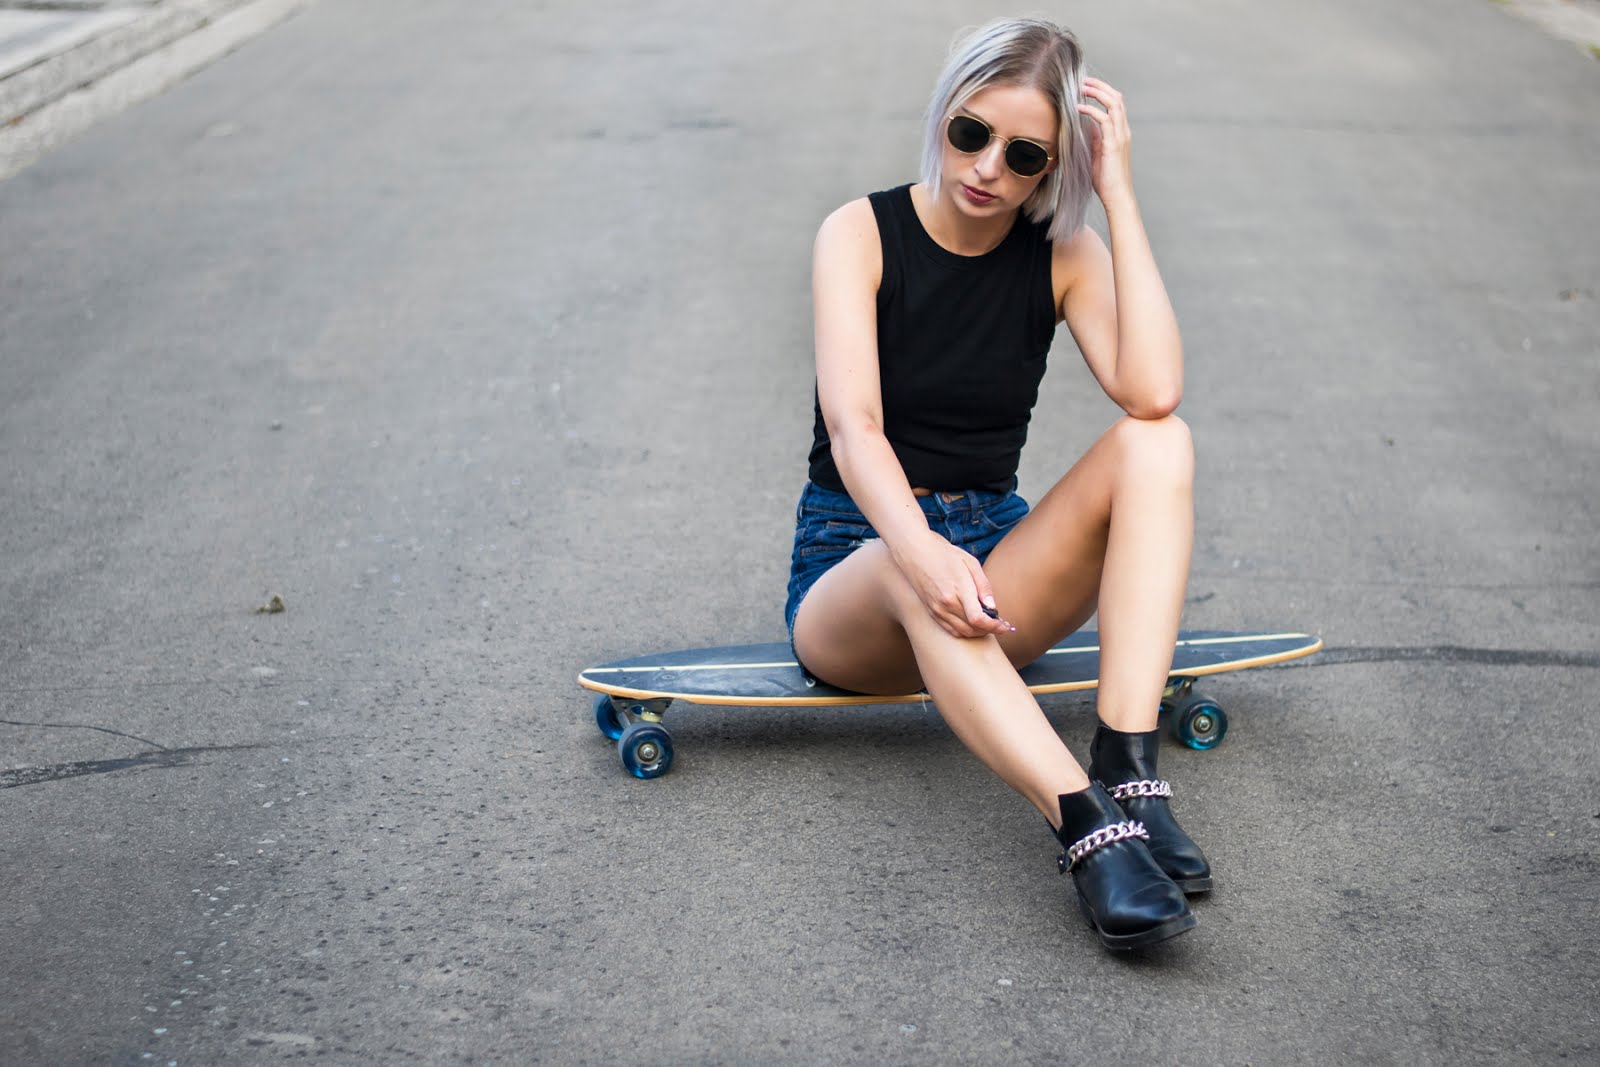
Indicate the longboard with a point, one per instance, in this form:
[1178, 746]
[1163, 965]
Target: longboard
[633, 694]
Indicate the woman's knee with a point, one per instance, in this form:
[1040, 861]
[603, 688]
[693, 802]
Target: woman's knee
[1155, 449]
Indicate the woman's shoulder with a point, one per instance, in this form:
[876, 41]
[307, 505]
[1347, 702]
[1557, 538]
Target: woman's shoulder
[872, 210]
[1085, 243]
[849, 236]
[853, 215]
[1084, 250]
[852, 224]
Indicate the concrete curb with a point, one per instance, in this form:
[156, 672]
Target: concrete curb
[59, 96]
[85, 61]
[1577, 21]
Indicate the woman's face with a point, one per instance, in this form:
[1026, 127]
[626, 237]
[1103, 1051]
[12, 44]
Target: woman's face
[982, 184]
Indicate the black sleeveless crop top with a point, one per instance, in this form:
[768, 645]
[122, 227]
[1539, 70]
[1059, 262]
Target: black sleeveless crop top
[962, 342]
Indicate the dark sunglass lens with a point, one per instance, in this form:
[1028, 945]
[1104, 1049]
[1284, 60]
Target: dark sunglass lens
[1026, 158]
[967, 134]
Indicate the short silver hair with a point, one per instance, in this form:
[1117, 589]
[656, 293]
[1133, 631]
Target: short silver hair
[1034, 54]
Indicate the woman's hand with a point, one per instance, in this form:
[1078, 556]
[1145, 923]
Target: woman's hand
[1111, 165]
[952, 586]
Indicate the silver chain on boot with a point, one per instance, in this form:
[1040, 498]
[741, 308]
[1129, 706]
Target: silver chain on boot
[1143, 788]
[1106, 835]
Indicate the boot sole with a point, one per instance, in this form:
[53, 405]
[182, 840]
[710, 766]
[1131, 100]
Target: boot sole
[1122, 942]
[1193, 885]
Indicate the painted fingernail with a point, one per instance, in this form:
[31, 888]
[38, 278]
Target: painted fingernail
[991, 612]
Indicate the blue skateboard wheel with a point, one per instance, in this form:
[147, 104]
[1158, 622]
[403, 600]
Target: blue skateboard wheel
[1200, 723]
[646, 749]
[608, 718]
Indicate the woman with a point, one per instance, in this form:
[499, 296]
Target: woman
[915, 562]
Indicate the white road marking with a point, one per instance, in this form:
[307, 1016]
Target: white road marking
[690, 667]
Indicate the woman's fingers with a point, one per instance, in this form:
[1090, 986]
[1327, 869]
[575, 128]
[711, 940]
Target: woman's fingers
[942, 594]
[1111, 136]
[961, 611]
[1105, 123]
[1101, 90]
[990, 621]
[1109, 121]
[1108, 98]
[970, 610]
[954, 618]
[957, 593]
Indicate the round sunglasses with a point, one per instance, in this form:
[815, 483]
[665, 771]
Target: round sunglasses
[969, 136]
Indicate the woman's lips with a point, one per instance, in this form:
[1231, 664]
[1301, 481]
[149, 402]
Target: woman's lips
[977, 196]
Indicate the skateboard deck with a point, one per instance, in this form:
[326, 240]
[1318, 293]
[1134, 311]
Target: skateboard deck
[633, 694]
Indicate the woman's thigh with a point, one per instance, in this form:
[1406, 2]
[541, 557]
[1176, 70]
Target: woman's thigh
[1046, 572]
[847, 630]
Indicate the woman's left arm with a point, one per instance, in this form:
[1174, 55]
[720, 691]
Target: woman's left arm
[1115, 303]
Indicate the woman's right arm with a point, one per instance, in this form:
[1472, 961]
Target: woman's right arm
[847, 267]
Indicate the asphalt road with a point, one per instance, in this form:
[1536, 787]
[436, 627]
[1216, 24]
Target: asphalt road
[480, 334]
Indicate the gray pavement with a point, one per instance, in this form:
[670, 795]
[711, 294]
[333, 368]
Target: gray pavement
[480, 334]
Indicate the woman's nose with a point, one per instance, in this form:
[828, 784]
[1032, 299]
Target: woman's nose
[992, 160]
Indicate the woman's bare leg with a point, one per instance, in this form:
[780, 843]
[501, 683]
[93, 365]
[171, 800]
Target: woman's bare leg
[862, 627]
[1124, 514]
[1113, 535]
[1115, 532]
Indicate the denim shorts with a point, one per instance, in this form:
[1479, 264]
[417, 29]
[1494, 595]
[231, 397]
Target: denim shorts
[828, 527]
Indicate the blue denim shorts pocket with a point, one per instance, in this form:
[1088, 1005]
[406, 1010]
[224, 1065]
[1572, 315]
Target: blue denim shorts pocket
[827, 529]
[1000, 516]
[822, 537]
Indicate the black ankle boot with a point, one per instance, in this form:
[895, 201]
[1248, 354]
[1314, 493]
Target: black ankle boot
[1121, 890]
[1126, 765]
